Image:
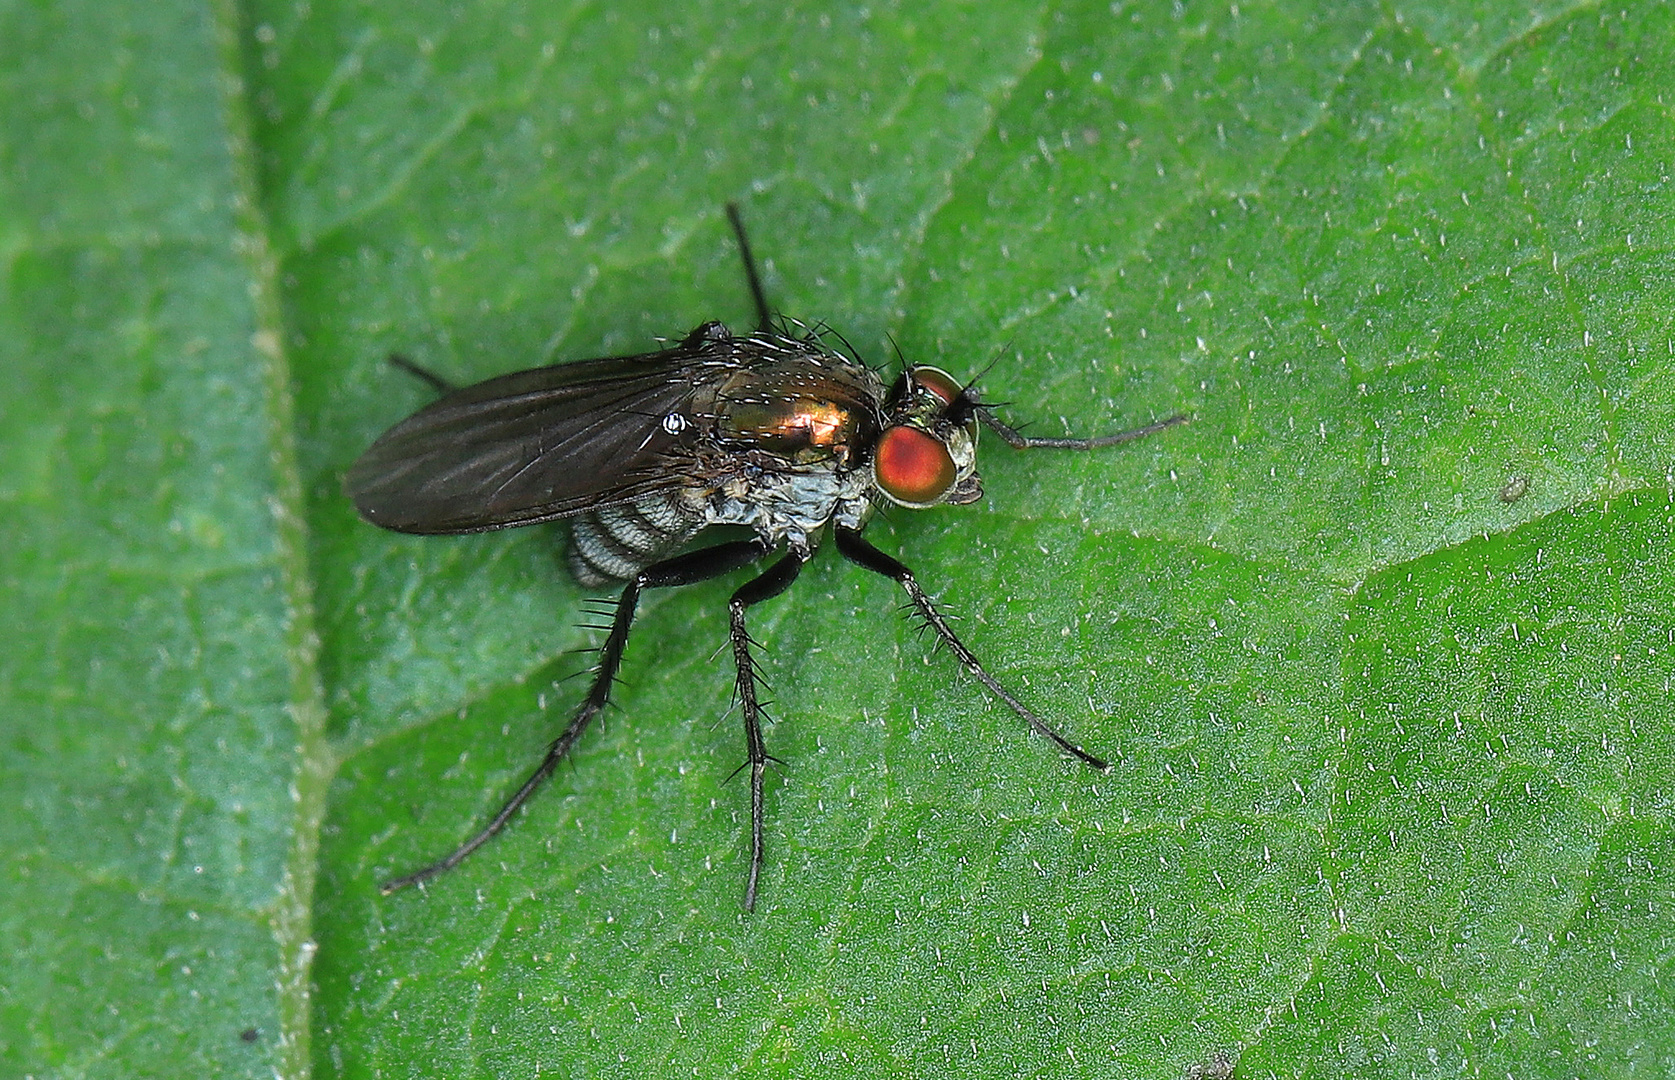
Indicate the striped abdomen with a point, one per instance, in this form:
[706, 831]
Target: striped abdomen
[614, 543]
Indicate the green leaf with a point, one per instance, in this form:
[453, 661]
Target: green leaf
[1379, 644]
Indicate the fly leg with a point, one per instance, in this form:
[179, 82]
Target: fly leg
[773, 581]
[424, 374]
[764, 320]
[858, 551]
[681, 570]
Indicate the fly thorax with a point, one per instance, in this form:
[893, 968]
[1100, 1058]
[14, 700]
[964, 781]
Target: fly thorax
[787, 505]
[802, 411]
[784, 441]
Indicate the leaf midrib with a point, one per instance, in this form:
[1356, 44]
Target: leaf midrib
[290, 915]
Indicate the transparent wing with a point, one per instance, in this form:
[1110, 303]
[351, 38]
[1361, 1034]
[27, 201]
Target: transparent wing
[533, 445]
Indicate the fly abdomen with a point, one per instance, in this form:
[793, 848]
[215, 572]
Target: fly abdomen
[613, 543]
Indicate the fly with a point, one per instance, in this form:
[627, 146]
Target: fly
[776, 430]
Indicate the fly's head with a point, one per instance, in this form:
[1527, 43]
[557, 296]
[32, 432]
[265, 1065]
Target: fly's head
[927, 452]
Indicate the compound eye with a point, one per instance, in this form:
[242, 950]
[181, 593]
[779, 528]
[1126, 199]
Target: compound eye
[912, 466]
[938, 382]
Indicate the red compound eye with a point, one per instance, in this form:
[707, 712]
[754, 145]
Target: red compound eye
[938, 382]
[912, 466]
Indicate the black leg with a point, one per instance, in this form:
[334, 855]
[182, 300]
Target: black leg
[1017, 440]
[680, 570]
[858, 551]
[437, 382]
[773, 581]
[764, 320]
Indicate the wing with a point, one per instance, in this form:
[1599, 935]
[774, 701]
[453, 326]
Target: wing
[533, 445]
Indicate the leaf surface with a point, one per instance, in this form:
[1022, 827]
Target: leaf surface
[1378, 644]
